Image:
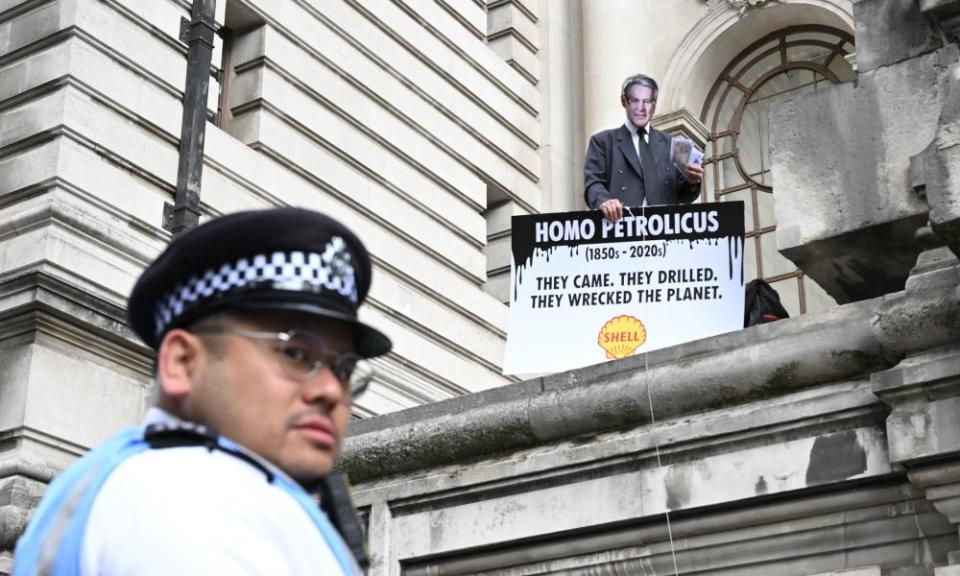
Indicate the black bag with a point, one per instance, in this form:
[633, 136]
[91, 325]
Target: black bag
[762, 304]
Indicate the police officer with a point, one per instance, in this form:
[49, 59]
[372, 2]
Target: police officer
[259, 354]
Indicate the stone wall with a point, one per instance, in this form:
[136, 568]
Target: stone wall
[809, 446]
[394, 116]
[825, 444]
[770, 448]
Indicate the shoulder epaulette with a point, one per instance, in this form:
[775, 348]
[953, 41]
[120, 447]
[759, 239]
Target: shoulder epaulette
[177, 435]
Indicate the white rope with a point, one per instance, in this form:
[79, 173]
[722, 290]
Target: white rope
[653, 420]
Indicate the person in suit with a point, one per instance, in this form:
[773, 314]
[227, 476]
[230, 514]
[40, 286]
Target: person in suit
[630, 165]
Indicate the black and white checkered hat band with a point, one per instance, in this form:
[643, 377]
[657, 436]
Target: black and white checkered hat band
[295, 271]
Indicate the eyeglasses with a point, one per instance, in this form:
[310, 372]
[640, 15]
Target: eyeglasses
[303, 354]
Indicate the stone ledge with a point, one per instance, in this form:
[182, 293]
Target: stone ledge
[745, 433]
[35, 300]
[852, 341]
[847, 265]
[705, 375]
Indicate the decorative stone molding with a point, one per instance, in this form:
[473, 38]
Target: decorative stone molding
[711, 43]
[684, 123]
[743, 5]
[923, 390]
[513, 34]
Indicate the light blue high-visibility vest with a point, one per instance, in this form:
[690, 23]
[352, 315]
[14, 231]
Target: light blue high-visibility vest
[53, 541]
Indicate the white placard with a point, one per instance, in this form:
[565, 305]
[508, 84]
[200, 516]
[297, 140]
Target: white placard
[584, 290]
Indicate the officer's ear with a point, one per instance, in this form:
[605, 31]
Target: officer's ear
[179, 360]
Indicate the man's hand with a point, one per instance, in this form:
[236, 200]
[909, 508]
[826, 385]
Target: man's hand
[612, 209]
[693, 173]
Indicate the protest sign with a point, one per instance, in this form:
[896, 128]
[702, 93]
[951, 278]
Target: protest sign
[585, 290]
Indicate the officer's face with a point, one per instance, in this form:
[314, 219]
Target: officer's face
[243, 389]
[639, 104]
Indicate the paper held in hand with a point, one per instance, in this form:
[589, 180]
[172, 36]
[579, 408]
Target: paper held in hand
[683, 151]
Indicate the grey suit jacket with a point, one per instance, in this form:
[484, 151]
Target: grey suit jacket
[612, 170]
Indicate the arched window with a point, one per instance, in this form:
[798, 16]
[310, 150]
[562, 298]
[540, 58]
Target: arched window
[781, 65]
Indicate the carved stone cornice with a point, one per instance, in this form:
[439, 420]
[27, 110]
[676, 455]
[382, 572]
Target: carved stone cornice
[743, 5]
[684, 123]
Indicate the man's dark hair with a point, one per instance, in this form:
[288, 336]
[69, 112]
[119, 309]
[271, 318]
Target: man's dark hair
[643, 80]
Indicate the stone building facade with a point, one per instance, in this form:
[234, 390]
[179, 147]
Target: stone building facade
[816, 444]
[824, 444]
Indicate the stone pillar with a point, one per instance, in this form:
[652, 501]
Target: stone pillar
[616, 44]
[923, 390]
[562, 142]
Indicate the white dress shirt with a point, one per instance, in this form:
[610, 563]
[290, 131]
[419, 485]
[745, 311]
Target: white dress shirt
[635, 138]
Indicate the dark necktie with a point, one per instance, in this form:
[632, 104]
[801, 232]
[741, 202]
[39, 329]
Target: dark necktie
[646, 164]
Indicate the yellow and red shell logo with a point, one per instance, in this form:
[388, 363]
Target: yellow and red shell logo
[621, 336]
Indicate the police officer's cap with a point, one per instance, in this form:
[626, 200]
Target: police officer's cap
[277, 259]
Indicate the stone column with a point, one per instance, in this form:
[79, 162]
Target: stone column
[562, 142]
[617, 42]
[923, 390]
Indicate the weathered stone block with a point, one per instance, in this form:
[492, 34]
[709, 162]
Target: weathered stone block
[775, 358]
[18, 496]
[942, 165]
[846, 207]
[930, 316]
[952, 570]
[924, 396]
[889, 31]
